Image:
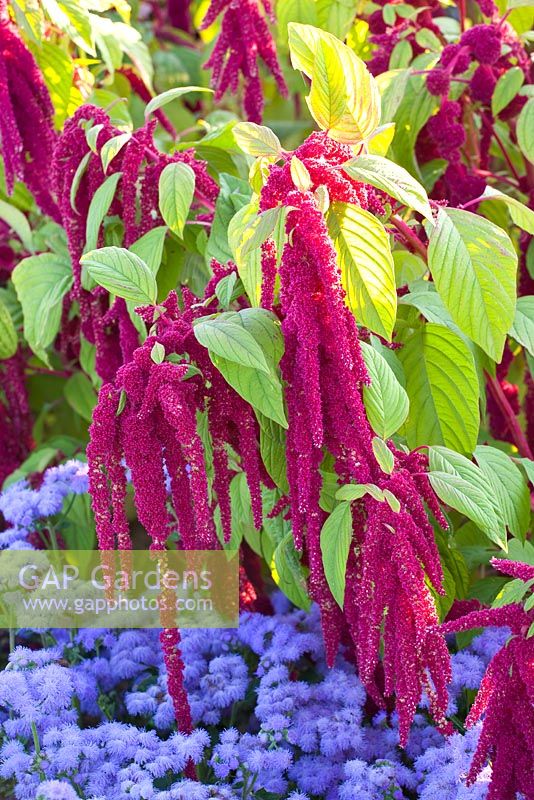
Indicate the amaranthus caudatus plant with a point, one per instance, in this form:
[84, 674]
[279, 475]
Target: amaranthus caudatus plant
[315, 355]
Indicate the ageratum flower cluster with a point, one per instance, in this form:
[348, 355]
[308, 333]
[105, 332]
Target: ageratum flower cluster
[272, 729]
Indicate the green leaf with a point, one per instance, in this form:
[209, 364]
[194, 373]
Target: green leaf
[256, 140]
[8, 334]
[366, 264]
[401, 55]
[336, 538]
[408, 267]
[249, 264]
[172, 94]
[233, 195]
[226, 338]
[78, 175]
[266, 329]
[428, 40]
[112, 147]
[322, 199]
[157, 354]
[100, 204]
[509, 487]
[73, 19]
[130, 40]
[413, 112]
[273, 450]
[442, 387]
[225, 289]
[506, 89]
[386, 402]
[79, 532]
[300, 175]
[474, 265]
[383, 455]
[392, 179]
[327, 100]
[512, 592]
[41, 282]
[262, 390]
[18, 223]
[295, 11]
[122, 273]
[335, 70]
[463, 486]
[242, 521]
[523, 326]
[80, 395]
[334, 16]
[392, 86]
[176, 190]
[521, 215]
[392, 501]
[528, 466]
[91, 136]
[260, 229]
[149, 248]
[288, 573]
[355, 491]
[525, 130]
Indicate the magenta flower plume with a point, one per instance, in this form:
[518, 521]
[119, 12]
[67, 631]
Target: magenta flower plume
[505, 698]
[387, 600]
[243, 40]
[516, 569]
[27, 133]
[484, 43]
[15, 417]
[156, 436]
[136, 201]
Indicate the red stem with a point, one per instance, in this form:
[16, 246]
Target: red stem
[461, 6]
[412, 239]
[510, 418]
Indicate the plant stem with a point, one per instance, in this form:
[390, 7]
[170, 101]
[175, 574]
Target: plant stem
[510, 418]
[503, 150]
[461, 6]
[412, 239]
[485, 173]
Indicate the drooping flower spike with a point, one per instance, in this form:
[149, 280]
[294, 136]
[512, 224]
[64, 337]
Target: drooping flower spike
[153, 430]
[27, 135]
[244, 38]
[505, 699]
[392, 551]
[136, 201]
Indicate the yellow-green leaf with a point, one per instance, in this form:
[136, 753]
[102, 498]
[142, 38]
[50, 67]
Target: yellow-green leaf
[256, 140]
[474, 264]
[525, 130]
[335, 70]
[300, 175]
[366, 264]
